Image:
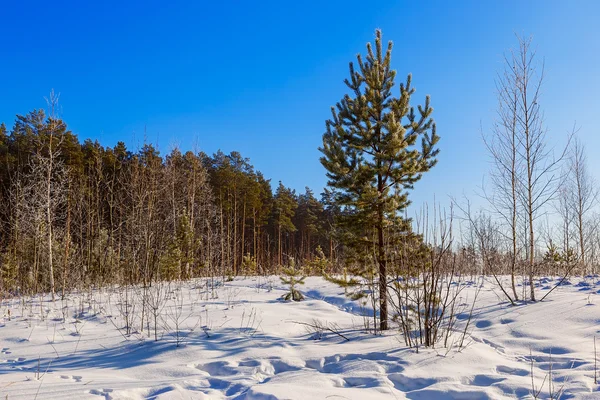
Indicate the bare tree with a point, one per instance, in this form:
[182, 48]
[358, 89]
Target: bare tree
[540, 181]
[585, 196]
[507, 165]
[27, 226]
[38, 195]
[49, 163]
[594, 241]
[564, 207]
[486, 240]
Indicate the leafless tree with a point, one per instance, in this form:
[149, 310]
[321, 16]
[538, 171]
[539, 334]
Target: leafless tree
[507, 165]
[564, 208]
[38, 196]
[538, 183]
[585, 196]
[487, 243]
[54, 173]
[426, 283]
[594, 241]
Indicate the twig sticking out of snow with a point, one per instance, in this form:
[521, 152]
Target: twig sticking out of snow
[316, 325]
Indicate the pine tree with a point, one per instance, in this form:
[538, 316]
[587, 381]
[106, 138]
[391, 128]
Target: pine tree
[249, 266]
[308, 223]
[284, 208]
[185, 243]
[370, 153]
[259, 198]
[293, 277]
[319, 265]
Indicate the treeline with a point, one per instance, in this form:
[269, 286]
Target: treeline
[78, 214]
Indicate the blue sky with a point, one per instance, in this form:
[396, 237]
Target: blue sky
[260, 77]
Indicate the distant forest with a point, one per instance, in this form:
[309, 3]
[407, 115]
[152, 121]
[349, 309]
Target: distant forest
[78, 213]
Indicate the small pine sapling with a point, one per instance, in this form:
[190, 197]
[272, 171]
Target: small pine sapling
[319, 265]
[293, 277]
[360, 283]
[249, 266]
[345, 281]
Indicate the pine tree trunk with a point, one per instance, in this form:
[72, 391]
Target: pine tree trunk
[242, 247]
[235, 229]
[383, 317]
[331, 248]
[222, 236]
[254, 234]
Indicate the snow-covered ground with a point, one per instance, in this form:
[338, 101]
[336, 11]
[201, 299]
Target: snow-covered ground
[247, 344]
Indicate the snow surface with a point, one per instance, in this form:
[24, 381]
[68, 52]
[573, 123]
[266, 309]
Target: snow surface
[246, 344]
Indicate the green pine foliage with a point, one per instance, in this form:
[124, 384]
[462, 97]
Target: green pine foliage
[373, 156]
[249, 265]
[292, 277]
[552, 254]
[284, 208]
[309, 219]
[350, 284]
[9, 270]
[319, 265]
[170, 263]
[557, 258]
[185, 244]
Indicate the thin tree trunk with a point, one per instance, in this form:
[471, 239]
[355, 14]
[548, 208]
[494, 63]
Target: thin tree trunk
[383, 317]
[49, 218]
[67, 240]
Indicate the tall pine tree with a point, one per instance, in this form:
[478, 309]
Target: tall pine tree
[284, 208]
[371, 155]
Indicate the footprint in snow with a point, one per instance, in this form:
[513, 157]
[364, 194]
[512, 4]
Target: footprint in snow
[72, 377]
[101, 392]
[268, 367]
[483, 324]
[361, 382]
[503, 369]
[493, 345]
[342, 363]
[483, 380]
[16, 360]
[249, 363]
[217, 368]
[405, 384]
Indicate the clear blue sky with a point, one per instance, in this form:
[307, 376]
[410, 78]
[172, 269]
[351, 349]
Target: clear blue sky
[259, 77]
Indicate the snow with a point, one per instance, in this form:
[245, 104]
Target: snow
[248, 344]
